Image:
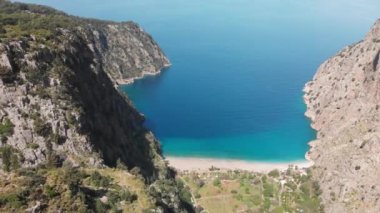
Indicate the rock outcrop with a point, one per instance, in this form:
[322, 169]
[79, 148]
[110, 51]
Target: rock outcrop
[64, 92]
[127, 52]
[343, 102]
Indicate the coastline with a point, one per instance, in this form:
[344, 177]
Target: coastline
[143, 74]
[204, 164]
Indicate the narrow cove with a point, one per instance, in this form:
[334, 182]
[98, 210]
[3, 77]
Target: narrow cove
[234, 90]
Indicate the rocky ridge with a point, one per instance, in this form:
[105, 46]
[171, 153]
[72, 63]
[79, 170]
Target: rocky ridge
[343, 102]
[127, 52]
[59, 104]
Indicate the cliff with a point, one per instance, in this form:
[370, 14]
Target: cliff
[127, 52]
[58, 99]
[343, 102]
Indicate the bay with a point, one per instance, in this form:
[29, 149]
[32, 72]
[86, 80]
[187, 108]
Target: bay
[235, 87]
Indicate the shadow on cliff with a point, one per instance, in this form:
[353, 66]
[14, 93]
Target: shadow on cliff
[113, 125]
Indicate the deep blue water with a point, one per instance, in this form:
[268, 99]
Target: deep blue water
[235, 87]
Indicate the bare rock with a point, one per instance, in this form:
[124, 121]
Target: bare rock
[5, 64]
[343, 103]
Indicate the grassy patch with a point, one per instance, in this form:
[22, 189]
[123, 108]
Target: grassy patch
[234, 191]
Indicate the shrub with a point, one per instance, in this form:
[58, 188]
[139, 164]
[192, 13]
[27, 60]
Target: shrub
[70, 118]
[185, 195]
[6, 154]
[239, 197]
[13, 200]
[268, 190]
[36, 76]
[15, 161]
[264, 179]
[50, 191]
[247, 190]
[197, 195]
[57, 139]
[291, 185]
[100, 207]
[115, 197]
[216, 182]
[267, 204]
[305, 189]
[128, 196]
[10, 158]
[274, 173]
[72, 177]
[121, 165]
[316, 188]
[100, 181]
[33, 145]
[42, 93]
[256, 200]
[333, 196]
[6, 129]
[42, 128]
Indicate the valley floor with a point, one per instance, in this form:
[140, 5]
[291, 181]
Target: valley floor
[219, 191]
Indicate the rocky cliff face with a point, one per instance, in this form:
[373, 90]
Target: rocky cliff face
[58, 98]
[343, 102]
[127, 52]
[61, 90]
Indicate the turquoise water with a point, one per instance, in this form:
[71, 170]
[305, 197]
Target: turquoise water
[235, 87]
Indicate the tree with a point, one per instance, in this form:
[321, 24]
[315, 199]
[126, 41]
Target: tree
[274, 173]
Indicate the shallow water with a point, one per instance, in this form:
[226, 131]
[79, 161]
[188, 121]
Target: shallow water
[235, 87]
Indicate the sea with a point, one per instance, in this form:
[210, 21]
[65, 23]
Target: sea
[234, 90]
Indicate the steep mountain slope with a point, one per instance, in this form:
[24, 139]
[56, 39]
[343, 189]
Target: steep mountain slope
[58, 99]
[343, 102]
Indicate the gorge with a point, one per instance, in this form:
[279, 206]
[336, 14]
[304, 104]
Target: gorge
[72, 141]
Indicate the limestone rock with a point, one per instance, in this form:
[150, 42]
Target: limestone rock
[62, 100]
[5, 64]
[343, 102]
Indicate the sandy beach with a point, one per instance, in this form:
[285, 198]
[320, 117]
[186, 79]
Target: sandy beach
[203, 164]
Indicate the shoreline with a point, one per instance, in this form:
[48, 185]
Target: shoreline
[204, 164]
[143, 74]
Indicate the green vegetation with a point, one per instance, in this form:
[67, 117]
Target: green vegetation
[16, 23]
[274, 173]
[100, 181]
[67, 79]
[216, 182]
[71, 189]
[50, 192]
[42, 128]
[10, 158]
[240, 191]
[6, 129]
[184, 192]
[19, 20]
[33, 146]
